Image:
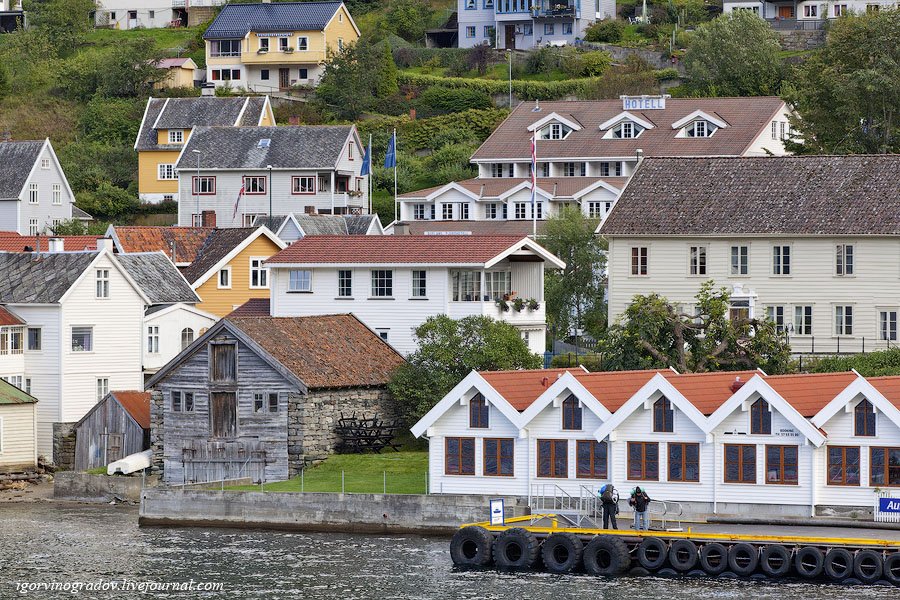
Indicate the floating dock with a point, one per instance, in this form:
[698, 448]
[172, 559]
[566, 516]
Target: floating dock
[549, 541]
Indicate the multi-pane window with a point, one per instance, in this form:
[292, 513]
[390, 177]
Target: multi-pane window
[56, 193]
[300, 281]
[153, 339]
[479, 412]
[273, 402]
[552, 458]
[176, 136]
[33, 227]
[864, 419]
[11, 340]
[102, 388]
[499, 457]
[34, 338]
[303, 184]
[254, 184]
[203, 185]
[345, 283]
[803, 320]
[700, 128]
[418, 212]
[502, 169]
[781, 260]
[82, 339]
[225, 48]
[555, 131]
[843, 320]
[259, 275]
[187, 337]
[382, 283]
[639, 260]
[539, 210]
[224, 278]
[595, 210]
[545, 169]
[781, 464]
[466, 286]
[102, 282]
[843, 465]
[738, 309]
[521, 210]
[571, 414]
[884, 467]
[610, 169]
[574, 169]
[740, 463]
[698, 260]
[283, 44]
[490, 210]
[887, 325]
[459, 456]
[259, 400]
[776, 315]
[497, 284]
[33, 193]
[464, 211]
[843, 262]
[740, 260]
[663, 416]
[591, 459]
[447, 212]
[760, 418]
[419, 284]
[627, 130]
[684, 462]
[643, 461]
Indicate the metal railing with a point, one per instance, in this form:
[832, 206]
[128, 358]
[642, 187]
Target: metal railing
[547, 498]
[666, 511]
[797, 24]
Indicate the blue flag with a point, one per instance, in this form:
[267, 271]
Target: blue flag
[390, 159]
[367, 161]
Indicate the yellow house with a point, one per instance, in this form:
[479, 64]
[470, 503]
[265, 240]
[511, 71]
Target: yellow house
[179, 73]
[269, 47]
[166, 127]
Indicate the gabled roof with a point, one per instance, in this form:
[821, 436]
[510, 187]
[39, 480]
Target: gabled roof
[10, 241]
[567, 382]
[363, 224]
[80, 215]
[793, 195]
[699, 114]
[29, 279]
[155, 274]
[408, 249]
[514, 228]
[488, 188]
[236, 20]
[626, 116]
[136, 404]
[614, 388]
[8, 317]
[171, 63]
[187, 113]
[708, 391]
[302, 147]
[870, 390]
[747, 117]
[889, 387]
[181, 244]
[219, 246]
[322, 224]
[10, 394]
[810, 393]
[521, 388]
[17, 159]
[254, 307]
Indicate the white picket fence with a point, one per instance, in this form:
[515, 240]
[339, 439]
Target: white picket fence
[888, 516]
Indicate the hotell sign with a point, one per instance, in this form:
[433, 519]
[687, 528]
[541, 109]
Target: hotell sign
[644, 102]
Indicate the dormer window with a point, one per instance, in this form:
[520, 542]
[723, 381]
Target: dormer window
[627, 130]
[864, 419]
[555, 131]
[700, 129]
[176, 136]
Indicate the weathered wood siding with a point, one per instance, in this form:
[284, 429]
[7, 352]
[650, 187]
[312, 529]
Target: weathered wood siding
[95, 437]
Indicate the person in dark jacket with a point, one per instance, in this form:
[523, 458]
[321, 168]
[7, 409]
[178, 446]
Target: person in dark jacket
[640, 502]
[610, 500]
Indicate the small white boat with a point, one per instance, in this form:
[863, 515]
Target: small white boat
[130, 464]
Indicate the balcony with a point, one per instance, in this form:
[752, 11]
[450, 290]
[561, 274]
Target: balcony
[554, 10]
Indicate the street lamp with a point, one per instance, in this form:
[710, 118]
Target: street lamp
[269, 167]
[196, 189]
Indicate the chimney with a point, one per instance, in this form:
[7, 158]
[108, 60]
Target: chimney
[737, 384]
[208, 89]
[294, 121]
[208, 218]
[401, 229]
[640, 155]
[412, 114]
[309, 210]
[55, 245]
[104, 244]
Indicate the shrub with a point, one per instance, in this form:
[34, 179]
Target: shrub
[525, 90]
[591, 362]
[106, 201]
[607, 31]
[442, 100]
[586, 64]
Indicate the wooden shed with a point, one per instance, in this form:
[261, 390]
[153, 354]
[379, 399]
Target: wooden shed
[17, 428]
[117, 426]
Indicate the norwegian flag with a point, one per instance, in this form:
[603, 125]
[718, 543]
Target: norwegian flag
[533, 170]
[237, 203]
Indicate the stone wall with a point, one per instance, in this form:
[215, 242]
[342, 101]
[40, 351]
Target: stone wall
[156, 430]
[312, 420]
[98, 488]
[803, 39]
[64, 446]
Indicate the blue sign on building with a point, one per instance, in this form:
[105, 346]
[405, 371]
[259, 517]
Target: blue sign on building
[889, 505]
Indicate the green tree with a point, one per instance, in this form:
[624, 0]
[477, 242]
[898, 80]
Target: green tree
[448, 351]
[574, 295]
[106, 201]
[76, 227]
[654, 333]
[127, 70]
[355, 78]
[734, 55]
[847, 93]
[65, 23]
[408, 18]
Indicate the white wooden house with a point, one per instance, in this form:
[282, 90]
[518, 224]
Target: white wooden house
[34, 192]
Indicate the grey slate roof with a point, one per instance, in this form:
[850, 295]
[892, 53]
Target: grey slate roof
[186, 113]
[157, 277]
[235, 20]
[273, 223]
[216, 247]
[359, 224]
[81, 215]
[16, 162]
[322, 224]
[306, 147]
[794, 195]
[30, 279]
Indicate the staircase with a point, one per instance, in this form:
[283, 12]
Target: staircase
[583, 511]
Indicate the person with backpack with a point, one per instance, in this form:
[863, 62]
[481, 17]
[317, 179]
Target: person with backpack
[640, 502]
[609, 497]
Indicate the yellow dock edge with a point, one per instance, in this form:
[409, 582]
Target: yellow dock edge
[688, 535]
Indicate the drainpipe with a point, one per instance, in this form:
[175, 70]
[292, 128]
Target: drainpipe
[812, 481]
[715, 476]
[528, 457]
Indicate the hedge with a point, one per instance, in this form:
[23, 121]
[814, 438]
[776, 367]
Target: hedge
[416, 57]
[421, 133]
[524, 90]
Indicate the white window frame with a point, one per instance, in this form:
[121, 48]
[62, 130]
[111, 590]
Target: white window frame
[33, 226]
[302, 283]
[40, 339]
[419, 284]
[45, 163]
[219, 285]
[262, 273]
[176, 136]
[447, 212]
[698, 262]
[341, 287]
[780, 266]
[152, 339]
[102, 388]
[302, 43]
[190, 333]
[56, 194]
[843, 320]
[738, 262]
[777, 313]
[643, 256]
[490, 211]
[382, 283]
[298, 189]
[520, 210]
[33, 193]
[102, 284]
[887, 324]
[802, 325]
[90, 338]
[418, 212]
[843, 260]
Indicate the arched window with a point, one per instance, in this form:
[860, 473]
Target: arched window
[663, 415]
[864, 419]
[187, 337]
[478, 412]
[760, 417]
[571, 414]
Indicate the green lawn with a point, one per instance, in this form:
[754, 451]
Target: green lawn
[363, 474]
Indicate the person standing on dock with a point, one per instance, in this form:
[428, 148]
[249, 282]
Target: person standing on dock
[609, 497]
[640, 502]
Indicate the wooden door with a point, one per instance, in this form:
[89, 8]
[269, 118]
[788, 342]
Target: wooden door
[284, 78]
[510, 37]
[223, 414]
[114, 446]
[785, 12]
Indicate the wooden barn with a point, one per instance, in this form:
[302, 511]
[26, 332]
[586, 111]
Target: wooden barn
[17, 428]
[117, 426]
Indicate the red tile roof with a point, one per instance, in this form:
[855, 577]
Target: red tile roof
[809, 393]
[395, 249]
[889, 387]
[708, 391]
[11, 241]
[521, 388]
[8, 318]
[137, 404]
[254, 307]
[185, 241]
[615, 388]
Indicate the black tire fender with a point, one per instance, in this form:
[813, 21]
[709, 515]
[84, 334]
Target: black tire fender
[838, 564]
[683, 555]
[606, 555]
[775, 560]
[562, 552]
[516, 548]
[714, 558]
[809, 562]
[891, 568]
[743, 559]
[868, 566]
[652, 553]
[471, 547]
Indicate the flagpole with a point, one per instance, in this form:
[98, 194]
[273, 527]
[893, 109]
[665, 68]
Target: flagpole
[396, 212]
[534, 187]
[369, 176]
